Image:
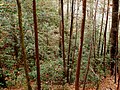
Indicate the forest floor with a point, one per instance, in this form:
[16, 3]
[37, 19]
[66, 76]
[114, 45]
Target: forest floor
[106, 84]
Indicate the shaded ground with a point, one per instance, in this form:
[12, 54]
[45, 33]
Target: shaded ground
[106, 84]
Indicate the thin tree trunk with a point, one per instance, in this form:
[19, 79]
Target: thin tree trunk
[102, 49]
[22, 44]
[71, 30]
[88, 65]
[36, 46]
[81, 45]
[60, 40]
[76, 33]
[101, 30]
[63, 47]
[105, 39]
[75, 42]
[94, 29]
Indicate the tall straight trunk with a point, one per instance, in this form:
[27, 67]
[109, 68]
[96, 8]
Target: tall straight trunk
[101, 30]
[75, 41]
[60, 41]
[36, 46]
[81, 45]
[114, 34]
[105, 38]
[22, 44]
[76, 32]
[69, 48]
[94, 29]
[62, 30]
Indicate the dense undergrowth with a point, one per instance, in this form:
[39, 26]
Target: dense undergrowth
[51, 62]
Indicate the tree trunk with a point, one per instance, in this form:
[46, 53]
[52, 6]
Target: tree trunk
[63, 47]
[76, 32]
[105, 38]
[80, 48]
[88, 66]
[60, 40]
[101, 30]
[94, 30]
[114, 34]
[22, 44]
[69, 48]
[36, 46]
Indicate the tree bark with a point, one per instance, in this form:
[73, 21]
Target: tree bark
[104, 66]
[94, 29]
[114, 34]
[81, 45]
[69, 48]
[101, 30]
[60, 23]
[76, 32]
[63, 47]
[36, 46]
[22, 44]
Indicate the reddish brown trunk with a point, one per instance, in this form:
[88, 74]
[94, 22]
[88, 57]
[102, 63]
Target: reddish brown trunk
[62, 30]
[36, 46]
[80, 48]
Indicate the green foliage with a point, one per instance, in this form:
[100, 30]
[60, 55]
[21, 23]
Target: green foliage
[52, 71]
[49, 36]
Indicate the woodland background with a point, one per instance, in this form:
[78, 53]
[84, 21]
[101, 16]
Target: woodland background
[59, 44]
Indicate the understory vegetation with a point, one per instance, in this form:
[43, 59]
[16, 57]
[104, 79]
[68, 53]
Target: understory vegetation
[52, 75]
